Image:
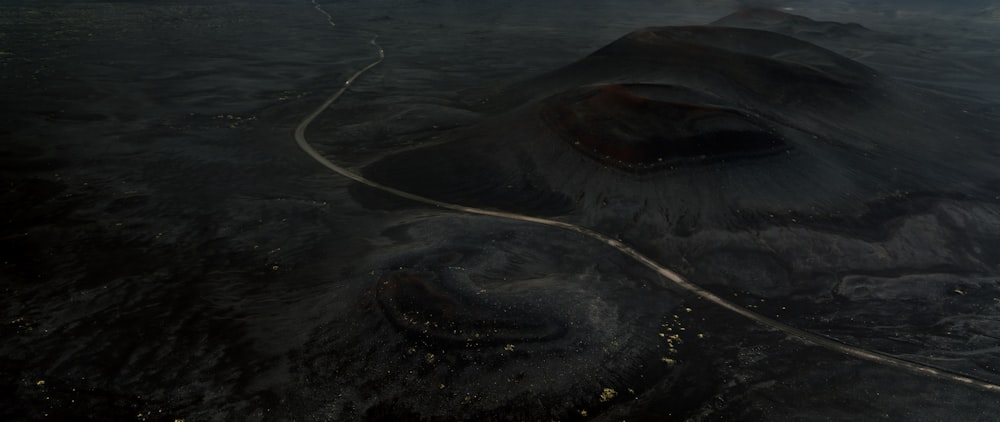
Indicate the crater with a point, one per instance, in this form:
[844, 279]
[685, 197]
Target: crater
[645, 127]
[424, 304]
[729, 127]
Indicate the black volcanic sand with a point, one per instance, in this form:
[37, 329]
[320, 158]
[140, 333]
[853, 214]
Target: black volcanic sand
[764, 167]
[169, 253]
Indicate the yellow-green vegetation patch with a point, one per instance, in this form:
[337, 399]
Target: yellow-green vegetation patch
[608, 394]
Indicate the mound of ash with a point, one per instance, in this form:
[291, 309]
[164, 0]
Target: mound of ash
[675, 129]
[419, 302]
[463, 329]
[785, 23]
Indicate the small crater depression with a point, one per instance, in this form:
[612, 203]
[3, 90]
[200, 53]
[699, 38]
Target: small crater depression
[426, 305]
[642, 128]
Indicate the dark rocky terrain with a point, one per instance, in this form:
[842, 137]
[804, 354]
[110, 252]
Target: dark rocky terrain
[169, 253]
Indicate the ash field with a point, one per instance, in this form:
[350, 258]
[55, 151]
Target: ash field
[525, 210]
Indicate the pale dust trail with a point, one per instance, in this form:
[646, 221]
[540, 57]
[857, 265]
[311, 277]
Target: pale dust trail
[877, 357]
